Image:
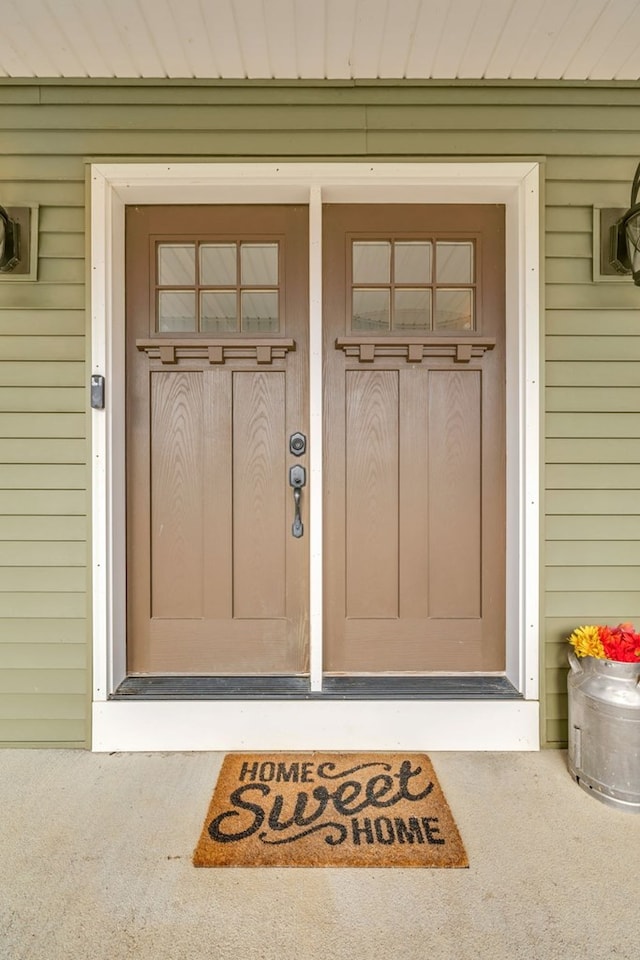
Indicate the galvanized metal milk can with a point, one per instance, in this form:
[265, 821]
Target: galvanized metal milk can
[604, 729]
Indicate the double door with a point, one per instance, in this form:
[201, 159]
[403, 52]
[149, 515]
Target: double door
[218, 482]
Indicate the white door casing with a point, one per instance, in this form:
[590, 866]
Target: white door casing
[256, 724]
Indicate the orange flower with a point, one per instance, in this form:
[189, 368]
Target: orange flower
[621, 643]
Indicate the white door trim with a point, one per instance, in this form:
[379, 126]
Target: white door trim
[495, 724]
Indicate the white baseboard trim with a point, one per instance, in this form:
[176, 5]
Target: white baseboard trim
[315, 725]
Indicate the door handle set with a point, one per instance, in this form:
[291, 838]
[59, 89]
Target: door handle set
[297, 480]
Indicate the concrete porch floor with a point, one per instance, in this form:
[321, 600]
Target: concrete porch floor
[95, 864]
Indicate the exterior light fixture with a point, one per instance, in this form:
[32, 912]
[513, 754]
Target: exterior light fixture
[624, 237]
[18, 243]
[9, 242]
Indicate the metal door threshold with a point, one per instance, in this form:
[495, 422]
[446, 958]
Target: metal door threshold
[334, 688]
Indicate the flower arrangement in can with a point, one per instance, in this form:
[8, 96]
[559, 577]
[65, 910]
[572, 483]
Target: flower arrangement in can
[620, 643]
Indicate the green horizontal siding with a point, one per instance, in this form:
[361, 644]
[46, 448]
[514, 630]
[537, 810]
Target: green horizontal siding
[569, 245]
[594, 348]
[34, 323]
[518, 141]
[41, 374]
[50, 681]
[563, 502]
[28, 631]
[596, 577]
[584, 295]
[240, 93]
[47, 296]
[48, 656]
[39, 450]
[593, 476]
[590, 399]
[568, 270]
[82, 120]
[579, 527]
[42, 348]
[56, 731]
[25, 553]
[42, 399]
[44, 502]
[42, 425]
[559, 220]
[587, 135]
[62, 220]
[288, 142]
[58, 246]
[42, 605]
[41, 168]
[598, 372]
[591, 605]
[61, 528]
[49, 579]
[586, 169]
[587, 425]
[590, 323]
[60, 476]
[591, 553]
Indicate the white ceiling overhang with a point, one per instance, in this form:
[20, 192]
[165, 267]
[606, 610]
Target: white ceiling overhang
[572, 40]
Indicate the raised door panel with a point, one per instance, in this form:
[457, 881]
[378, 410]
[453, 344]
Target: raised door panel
[177, 507]
[454, 482]
[259, 502]
[371, 474]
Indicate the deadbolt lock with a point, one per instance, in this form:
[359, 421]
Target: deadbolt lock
[297, 444]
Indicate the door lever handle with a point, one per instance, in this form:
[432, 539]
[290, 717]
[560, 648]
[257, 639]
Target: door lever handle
[297, 479]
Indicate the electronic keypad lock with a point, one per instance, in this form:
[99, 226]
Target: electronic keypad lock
[97, 392]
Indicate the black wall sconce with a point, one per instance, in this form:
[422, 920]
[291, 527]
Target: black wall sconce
[624, 237]
[18, 243]
[9, 242]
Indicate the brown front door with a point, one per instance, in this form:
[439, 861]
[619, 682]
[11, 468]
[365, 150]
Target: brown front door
[415, 445]
[216, 359]
[414, 450]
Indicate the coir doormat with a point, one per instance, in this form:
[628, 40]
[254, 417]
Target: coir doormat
[329, 810]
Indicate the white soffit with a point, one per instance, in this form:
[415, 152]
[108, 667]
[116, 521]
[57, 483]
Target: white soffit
[322, 39]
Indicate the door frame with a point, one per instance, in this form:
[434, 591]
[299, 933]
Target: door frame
[314, 723]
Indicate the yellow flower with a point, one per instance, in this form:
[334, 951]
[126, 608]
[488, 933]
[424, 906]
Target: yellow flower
[586, 642]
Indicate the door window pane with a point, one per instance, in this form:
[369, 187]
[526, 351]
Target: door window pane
[259, 264]
[176, 264]
[412, 310]
[371, 310]
[176, 311]
[454, 262]
[412, 262]
[218, 264]
[371, 262]
[218, 311]
[259, 311]
[226, 287]
[454, 310]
